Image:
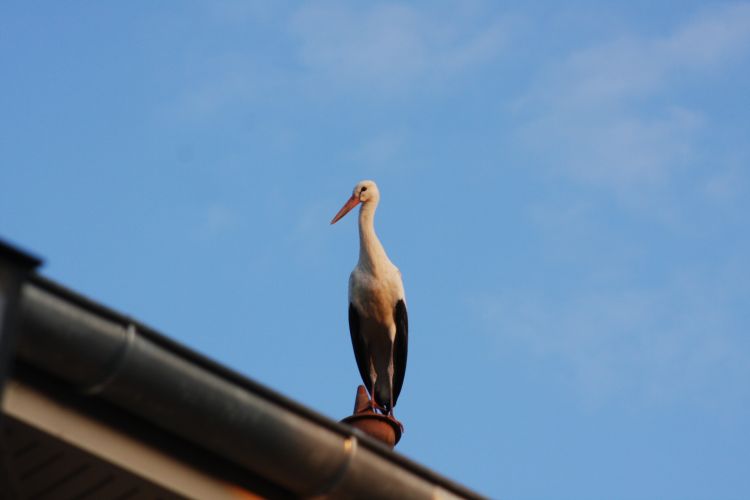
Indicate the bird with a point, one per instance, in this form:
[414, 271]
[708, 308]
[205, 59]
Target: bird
[378, 320]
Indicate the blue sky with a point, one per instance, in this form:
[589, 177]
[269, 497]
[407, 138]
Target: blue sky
[564, 187]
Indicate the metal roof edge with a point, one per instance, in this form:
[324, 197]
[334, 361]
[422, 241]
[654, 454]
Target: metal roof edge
[108, 355]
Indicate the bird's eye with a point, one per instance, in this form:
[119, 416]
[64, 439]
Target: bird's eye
[364, 188]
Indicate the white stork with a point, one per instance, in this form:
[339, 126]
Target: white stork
[378, 322]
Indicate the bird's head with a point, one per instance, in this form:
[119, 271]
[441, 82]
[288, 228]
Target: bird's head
[364, 192]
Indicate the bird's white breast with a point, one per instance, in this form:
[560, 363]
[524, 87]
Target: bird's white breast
[376, 295]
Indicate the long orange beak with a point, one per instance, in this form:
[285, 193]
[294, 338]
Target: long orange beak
[351, 203]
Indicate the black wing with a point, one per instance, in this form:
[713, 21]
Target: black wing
[360, 349]
[400, 347]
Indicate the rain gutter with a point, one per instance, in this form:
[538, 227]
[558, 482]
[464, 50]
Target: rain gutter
[103, 354]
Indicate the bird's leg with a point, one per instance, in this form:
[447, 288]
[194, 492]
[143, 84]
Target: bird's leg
[372, 397]
[382, 409]
[373, 404]
[391, 416]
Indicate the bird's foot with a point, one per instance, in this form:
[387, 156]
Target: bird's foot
[377, 408]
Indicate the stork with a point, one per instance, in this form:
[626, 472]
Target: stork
[378, 322]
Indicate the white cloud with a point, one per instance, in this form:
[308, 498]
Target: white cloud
[381, 151]
[216, 94]
[616, 117]
[391, 46]
[624, 151]
[217, 218]
[634, 67]
[241, 11]
[711, 39]
[607, 116]
[310, 235]
[681, 341]
[726, 185]
[380, 48]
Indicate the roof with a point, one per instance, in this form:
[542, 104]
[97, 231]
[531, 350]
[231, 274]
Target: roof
[132, 409]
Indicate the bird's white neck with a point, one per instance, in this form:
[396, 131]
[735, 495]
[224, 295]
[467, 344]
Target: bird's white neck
[372, 255]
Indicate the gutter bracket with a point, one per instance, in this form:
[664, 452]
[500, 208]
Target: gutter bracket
[351, 444]
[109, 374]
